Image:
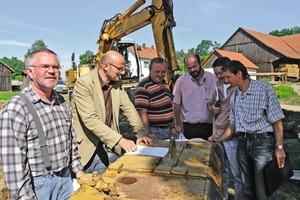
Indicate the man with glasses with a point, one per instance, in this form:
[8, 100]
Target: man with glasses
[26, 172]
[97, 100]
[191, 93]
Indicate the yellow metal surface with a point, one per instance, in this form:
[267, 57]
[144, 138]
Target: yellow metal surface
[71, 75]
[184, 176]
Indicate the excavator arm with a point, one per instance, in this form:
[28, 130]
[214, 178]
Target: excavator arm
[159, 14]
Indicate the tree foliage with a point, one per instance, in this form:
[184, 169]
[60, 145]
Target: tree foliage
[37, 45]
[16, 64]
[286, 31]
[180, 55]
[86, 58]
[205, 48]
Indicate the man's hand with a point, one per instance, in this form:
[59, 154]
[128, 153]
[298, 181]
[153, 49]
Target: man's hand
[215, 110]
[174, 133]
[213, 139]
[79, 174]
[178, 129]
[127, 145]
[147, 140]
[280, 157]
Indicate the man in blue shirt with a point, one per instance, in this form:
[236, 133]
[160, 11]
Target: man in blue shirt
[256, 116]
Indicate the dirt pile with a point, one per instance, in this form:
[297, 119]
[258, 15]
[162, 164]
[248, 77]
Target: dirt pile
[4, 193]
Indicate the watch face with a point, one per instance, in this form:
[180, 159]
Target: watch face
[279, 146]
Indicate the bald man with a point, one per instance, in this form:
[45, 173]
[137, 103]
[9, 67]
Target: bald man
[97, 100]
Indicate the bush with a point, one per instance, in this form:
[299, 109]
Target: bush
[19, 77]
[284, 91]
[267, 79]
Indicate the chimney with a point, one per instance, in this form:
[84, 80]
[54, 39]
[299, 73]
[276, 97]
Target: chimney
[144, 45]
[152, 46]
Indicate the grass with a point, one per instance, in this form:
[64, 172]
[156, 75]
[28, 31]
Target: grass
[287, 95]
[285, 92]
[7, 95]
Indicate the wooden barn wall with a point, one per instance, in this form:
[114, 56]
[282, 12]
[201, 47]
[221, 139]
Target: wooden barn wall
[252, 49]
[5, 78]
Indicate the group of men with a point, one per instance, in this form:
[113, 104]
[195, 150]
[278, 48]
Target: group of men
[241, 114]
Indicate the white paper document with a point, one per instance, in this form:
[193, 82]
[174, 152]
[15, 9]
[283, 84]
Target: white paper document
[150, 151]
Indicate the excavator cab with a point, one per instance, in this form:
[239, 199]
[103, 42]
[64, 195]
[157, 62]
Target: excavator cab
[129, 50]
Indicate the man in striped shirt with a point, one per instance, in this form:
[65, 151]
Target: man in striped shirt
[24, 169]
[153, 100]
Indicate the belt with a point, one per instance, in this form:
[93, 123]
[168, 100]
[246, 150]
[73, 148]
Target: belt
[256, 135]
[160, 126]
[61, 172]
[197, 124]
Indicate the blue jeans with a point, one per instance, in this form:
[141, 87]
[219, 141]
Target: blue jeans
[53, 186]
[100, 160]
[161, 133]
[229, 157]
[253, 154]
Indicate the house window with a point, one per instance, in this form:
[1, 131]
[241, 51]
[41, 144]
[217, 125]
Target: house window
[146, 64]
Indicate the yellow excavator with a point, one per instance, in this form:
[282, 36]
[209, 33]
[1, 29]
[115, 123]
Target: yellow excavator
[159, 15]
[189, 169]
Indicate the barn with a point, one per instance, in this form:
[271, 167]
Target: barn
[268, 52]
[5, 77]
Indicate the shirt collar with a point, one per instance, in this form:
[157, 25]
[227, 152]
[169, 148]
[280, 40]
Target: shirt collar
[55, 97]
[163, 81]
[250, 89]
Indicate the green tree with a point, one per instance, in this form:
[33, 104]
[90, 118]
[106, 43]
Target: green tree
[205, 48]
[180, 55]
[286, 31]
[86, 58]
[190, 51]
[38, 44]
[16, 64]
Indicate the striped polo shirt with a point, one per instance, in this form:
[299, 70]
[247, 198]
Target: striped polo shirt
[157, 99]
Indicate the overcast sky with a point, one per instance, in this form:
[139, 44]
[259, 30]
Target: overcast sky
[68, 26]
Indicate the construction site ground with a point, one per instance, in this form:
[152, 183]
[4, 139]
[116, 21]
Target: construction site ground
[289, 190]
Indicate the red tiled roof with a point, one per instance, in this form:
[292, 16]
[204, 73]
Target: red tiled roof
[237, 56]
[146, 52]
[233, 56]
[293, 41]
[287, 45]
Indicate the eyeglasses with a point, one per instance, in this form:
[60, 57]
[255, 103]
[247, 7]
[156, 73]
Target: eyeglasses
[46, 67]
[120, 69]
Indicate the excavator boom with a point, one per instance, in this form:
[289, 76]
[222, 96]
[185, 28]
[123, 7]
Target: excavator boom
[159, 14]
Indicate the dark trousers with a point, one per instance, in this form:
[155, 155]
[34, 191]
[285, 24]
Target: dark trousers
[253, 154]
[200, 130]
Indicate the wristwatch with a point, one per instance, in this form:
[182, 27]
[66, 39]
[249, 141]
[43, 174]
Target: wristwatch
[279, 146]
